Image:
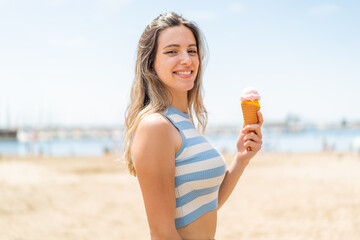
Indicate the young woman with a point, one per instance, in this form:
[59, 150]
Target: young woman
[183, 179]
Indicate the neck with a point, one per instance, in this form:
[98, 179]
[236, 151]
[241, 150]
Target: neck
[181, 107]
[180, 102]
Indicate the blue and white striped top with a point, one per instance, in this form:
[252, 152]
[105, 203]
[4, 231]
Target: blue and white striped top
[199, 171]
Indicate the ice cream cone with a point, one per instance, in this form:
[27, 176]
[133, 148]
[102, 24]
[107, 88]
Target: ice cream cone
[250, 105]
[249, 109]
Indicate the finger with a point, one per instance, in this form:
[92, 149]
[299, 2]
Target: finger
[260, 118]
[252, 145]
[253, 137]
[250, 148]
[251, 128]
[258, 132]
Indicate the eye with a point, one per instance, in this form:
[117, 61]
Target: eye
[170, 52]
[192, 51]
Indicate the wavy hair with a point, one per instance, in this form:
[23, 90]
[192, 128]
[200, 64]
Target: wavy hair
[148, 94]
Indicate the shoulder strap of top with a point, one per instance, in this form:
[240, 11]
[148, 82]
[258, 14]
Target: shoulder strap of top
[175, 115]
[181, 121]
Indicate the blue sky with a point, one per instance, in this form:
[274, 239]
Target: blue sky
[71, 63]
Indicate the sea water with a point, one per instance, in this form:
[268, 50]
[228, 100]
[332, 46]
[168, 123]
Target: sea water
[336, 140]
[60, 147]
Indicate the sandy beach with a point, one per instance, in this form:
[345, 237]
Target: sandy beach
[280, 196]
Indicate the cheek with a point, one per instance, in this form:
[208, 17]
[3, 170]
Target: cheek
[159, 67]
[196, 63]
[163, 68]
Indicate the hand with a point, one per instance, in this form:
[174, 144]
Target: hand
[250, 140]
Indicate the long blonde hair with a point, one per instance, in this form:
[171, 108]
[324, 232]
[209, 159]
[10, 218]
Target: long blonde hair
[148, 93]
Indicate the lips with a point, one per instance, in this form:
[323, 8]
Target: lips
[184, 73]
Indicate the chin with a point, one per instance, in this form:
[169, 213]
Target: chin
[188, 87]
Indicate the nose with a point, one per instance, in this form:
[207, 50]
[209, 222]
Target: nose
[185, 59]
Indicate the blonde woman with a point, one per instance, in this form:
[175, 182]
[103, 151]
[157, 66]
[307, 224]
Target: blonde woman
[183, 179]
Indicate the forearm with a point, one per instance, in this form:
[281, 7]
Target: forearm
[231, 178]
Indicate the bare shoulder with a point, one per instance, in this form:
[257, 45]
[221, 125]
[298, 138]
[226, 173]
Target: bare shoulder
[156, 126]
[154, 120]
[154, 140]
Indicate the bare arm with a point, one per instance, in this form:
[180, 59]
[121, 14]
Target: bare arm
[154, 157]
[250, 136]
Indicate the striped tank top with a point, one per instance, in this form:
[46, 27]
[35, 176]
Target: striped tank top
[199, 171]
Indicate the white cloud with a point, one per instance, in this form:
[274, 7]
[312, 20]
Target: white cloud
[236, 7]
[68, 42]
[324, 9]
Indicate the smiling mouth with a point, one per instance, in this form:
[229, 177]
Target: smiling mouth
[183, 73]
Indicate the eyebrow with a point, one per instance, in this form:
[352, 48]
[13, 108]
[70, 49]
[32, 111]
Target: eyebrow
[177, 45]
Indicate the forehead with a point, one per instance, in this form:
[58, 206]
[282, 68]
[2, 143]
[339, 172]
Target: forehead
[180, 35]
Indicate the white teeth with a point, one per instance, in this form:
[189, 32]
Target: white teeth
[184, 73]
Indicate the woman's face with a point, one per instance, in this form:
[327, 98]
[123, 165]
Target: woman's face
[177, 61]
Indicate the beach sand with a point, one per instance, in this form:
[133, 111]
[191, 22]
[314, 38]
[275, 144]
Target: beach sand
[279, 196]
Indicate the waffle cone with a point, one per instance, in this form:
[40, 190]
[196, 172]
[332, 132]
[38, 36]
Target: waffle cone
[250, 112]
